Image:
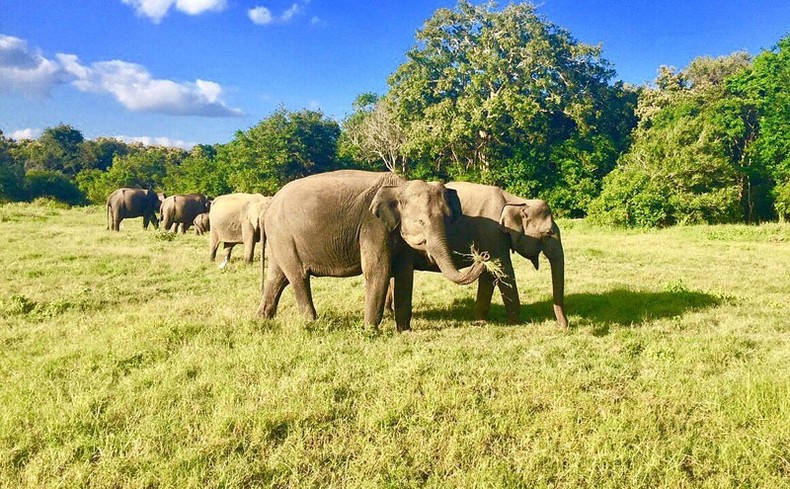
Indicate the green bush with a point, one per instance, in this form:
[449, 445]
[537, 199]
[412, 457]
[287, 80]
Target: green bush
[47, 183]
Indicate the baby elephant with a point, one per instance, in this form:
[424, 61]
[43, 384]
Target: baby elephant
[202, 224]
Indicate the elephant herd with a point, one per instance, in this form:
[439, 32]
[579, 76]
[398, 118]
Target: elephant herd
[379, 225]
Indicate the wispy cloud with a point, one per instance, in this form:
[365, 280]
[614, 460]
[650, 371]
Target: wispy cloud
[261, 15]
[27, 133]
[156, 141]
[26, 71]
[157, 9]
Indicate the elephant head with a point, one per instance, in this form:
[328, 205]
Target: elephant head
[532, 229]
[419, 210]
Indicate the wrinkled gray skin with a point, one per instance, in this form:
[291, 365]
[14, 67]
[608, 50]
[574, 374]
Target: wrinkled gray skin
[235, 219]
[202, 224]
[347, 223]
[181, 210]
[502, 223]
[127, 203]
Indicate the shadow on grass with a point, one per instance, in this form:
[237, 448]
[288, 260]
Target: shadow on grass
[617, 307]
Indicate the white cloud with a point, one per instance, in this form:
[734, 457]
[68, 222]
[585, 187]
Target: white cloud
[260, 15]
[134, 87]
[263, 16]
[26, 71]
[291, 12]
[28, 133]
[156, 141]
[157, 9]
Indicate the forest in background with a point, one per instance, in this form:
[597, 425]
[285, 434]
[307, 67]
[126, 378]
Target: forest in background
[501, 97]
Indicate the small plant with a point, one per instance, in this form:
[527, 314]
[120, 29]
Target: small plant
[677, 287]
[162, 235]
[18, 305]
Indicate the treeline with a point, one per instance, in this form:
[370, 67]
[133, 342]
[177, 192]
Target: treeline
[497, 96]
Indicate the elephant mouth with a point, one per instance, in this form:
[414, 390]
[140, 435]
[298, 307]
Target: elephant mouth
[417, 245]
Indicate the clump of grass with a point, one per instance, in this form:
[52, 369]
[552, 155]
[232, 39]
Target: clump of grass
[163, 235]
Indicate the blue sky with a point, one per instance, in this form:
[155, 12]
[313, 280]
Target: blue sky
[195, 71]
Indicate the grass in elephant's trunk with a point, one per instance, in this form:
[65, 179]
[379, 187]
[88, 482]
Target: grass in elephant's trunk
[494, 267]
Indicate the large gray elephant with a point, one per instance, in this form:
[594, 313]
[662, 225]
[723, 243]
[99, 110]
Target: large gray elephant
[126, 203]
[346, 223]
[235, 219]
[501, 223]
[181, 210]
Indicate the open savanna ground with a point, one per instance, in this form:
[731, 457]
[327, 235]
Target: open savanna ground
[128, 360]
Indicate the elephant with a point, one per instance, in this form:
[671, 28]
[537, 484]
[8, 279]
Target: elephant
[202, 223]
[235, 219]
[182, 210]
[502, 223]
[349, 222]
[127, 203]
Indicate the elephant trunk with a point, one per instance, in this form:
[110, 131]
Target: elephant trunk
[439, 251]
[556, 256]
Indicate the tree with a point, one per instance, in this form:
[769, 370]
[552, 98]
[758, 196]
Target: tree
[374, 131]
[508, 98]
[57, 149]
[690, 158]
[282, 147]
[12, 172]
[763, 89]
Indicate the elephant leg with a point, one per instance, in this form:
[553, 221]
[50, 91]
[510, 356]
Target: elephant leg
[304, 296]
[389, 301]
[403, 289]
[213, 245]
[485, 290]
[228, 251]
[509, 290]
[145, 222]
[249, 249]
[377, 272]
[274, 285]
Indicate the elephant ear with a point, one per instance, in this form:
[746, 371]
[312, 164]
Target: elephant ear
[512, 218]
[386, 206]
[455, 204]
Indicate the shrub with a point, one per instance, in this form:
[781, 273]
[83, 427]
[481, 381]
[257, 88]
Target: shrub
[47, 183]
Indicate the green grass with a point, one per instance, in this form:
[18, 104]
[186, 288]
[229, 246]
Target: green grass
[128, 360]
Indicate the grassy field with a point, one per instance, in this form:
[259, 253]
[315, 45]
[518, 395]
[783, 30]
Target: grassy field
[128, 360]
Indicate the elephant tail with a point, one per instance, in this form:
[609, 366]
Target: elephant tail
[109, 211]
[262, 230]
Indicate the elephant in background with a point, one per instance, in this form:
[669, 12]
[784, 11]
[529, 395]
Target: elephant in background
[181, 210]
[235, 219]
[347, 223]
[502, 223]
[202, 224]
[126, 203]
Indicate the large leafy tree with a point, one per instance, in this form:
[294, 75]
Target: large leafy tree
[689, 161]
[763, 89]
[284, 146]
[57, 149]
[506, 97]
